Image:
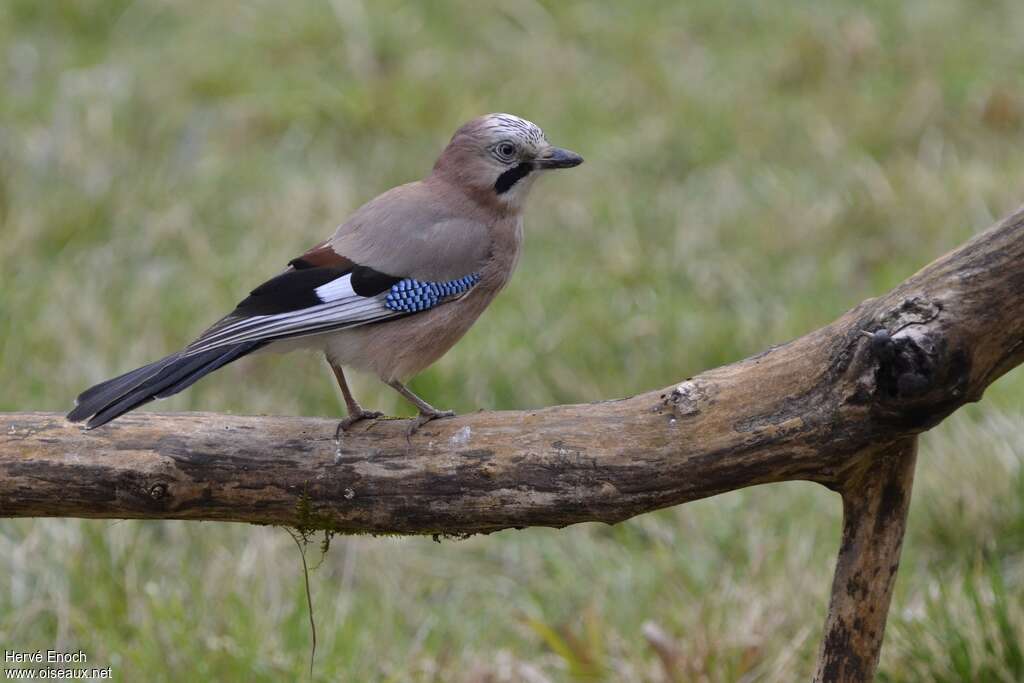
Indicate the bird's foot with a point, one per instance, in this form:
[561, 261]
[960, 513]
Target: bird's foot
[353, 418]
[346, 424]
[426, 416]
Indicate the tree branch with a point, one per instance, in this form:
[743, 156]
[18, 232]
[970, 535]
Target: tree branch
[875, 503]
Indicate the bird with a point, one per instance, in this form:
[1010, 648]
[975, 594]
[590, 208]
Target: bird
[390, 292]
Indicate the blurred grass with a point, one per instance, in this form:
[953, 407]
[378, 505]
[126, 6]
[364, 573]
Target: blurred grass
[752, 172]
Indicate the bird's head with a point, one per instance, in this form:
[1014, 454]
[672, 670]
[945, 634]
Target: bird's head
[497, 157]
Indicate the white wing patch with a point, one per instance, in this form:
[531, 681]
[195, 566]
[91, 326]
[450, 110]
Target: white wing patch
[336, 289]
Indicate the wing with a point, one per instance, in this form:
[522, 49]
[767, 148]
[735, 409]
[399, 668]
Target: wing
[311, 299]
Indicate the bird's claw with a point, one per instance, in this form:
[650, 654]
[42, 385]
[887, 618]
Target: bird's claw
[353, 418]
[424, 417]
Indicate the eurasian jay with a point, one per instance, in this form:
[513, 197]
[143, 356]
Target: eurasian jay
[391, 292]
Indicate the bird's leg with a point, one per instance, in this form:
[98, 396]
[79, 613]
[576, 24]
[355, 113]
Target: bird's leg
[427, 411]
[355, 411]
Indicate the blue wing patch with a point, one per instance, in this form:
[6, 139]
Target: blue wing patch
[411, 295]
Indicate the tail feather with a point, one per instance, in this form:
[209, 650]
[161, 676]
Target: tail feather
[148, 390]
[97, 397]
[115, 397]
[186, 380]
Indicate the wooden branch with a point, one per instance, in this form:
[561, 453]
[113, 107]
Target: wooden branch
[808, 409]
[875, 503]
[834, 406]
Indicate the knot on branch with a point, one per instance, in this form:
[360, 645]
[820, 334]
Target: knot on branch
[158, 491]
[686, 398]
[917, 376]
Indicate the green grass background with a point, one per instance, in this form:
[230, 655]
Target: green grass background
[753, 170]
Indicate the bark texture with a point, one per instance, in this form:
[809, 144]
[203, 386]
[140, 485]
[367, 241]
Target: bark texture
[840, 406]
[875, 503]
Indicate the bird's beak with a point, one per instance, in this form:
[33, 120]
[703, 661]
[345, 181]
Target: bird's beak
[556, 157]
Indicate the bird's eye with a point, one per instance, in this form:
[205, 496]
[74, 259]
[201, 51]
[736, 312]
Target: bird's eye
[506, 150]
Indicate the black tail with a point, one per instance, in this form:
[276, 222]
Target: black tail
[115, 397]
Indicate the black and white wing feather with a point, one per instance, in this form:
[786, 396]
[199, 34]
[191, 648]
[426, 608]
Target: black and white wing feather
[304, 302]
